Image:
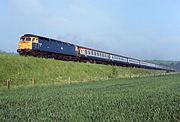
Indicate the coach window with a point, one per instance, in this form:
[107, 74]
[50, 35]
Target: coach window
[92, 52]
[100, 54]
[85, 51]
[103, 54]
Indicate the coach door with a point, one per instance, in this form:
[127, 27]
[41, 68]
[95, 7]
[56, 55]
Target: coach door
[110, 56]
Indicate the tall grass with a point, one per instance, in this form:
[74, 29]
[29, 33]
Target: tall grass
[23, 70]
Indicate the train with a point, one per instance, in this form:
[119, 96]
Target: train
[39, 46]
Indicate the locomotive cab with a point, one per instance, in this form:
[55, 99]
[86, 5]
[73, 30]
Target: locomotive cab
[26, 43]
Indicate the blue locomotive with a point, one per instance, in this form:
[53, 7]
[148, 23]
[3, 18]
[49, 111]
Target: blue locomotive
[39, 46]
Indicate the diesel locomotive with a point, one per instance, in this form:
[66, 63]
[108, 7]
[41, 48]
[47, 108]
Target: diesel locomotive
[39, 46]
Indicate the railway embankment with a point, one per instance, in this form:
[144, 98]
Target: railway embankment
[20, 70]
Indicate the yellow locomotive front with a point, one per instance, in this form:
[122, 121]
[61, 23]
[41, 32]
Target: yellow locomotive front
[25, 44]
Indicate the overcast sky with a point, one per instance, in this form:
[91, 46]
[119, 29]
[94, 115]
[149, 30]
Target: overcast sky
[145, 29]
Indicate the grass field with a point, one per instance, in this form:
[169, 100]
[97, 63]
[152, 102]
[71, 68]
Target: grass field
[23, 70]
[138, 99]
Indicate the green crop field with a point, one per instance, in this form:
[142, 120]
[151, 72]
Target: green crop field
[137, 99]
[22, 70]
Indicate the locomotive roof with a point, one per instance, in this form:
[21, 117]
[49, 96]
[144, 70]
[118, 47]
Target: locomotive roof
[42, 37]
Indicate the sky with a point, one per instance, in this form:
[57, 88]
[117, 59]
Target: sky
[144, 29]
